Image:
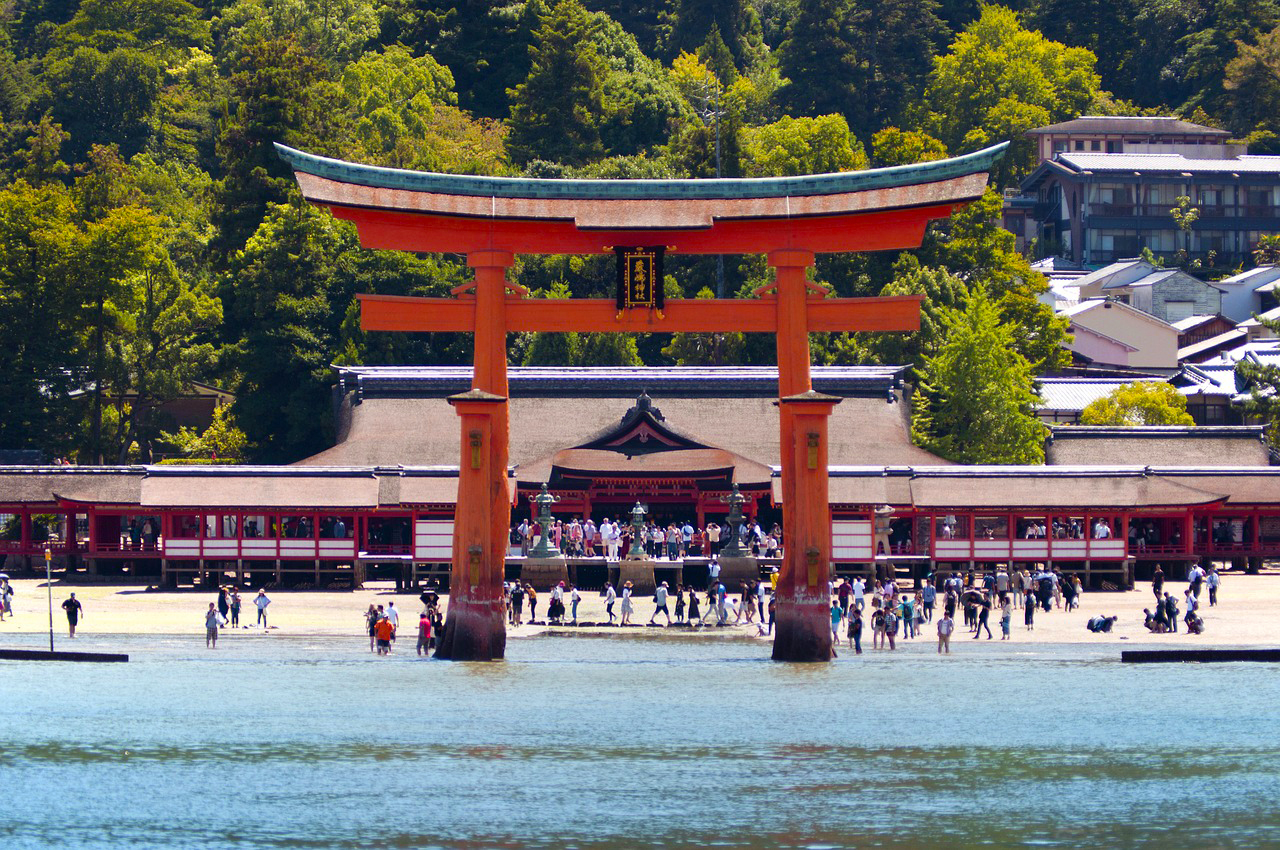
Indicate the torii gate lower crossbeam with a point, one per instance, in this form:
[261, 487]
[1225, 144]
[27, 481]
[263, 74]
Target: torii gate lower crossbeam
[491, 219]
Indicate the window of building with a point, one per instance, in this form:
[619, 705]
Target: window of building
[1059, 146]
[1095, 145]
[1079, 144]
[1114, 147]
[1176, 311]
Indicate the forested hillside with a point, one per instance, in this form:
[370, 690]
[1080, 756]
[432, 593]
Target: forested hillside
[149, 236]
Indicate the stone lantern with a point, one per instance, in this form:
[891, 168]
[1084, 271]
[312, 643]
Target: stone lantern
[544, 548]
[735, 520]
[636, 552]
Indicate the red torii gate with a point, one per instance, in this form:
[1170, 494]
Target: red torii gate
[491, 219]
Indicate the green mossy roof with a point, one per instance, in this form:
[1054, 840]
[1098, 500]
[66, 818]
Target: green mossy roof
[718, 188]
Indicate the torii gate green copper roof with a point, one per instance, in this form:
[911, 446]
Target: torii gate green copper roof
[630, 190]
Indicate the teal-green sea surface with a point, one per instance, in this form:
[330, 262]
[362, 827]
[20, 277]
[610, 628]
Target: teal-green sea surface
[584, 742]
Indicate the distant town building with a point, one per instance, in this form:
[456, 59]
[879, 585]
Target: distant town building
[1170, 295]
[1126, 134]
[1249, 292]
[1112, 333]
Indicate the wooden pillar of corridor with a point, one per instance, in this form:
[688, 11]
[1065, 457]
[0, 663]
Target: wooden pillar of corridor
[492, 219]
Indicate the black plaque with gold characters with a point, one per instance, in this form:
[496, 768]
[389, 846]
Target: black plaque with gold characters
[639, 278]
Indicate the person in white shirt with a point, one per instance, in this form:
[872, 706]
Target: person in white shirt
[761, 600]
[394, 617]
[714, 569]
[610, 596]
[946, 626]
[574, 598]
[609, 536]
[660, 604]
[589, 538]
[859, 593]
[713, 540]
[1101, 531]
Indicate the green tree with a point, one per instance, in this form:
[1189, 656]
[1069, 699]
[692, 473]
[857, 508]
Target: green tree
[106, 98]
[556, 111]
[1252, 84]
[288, 304]
[865, 60]
[735, 22]
[223, 440]
[329, 31]
[801, 146]
[1210, 48]
[1000, 80]
[1107, 28]
[975, 247]
[976, 400]
[40, 362]
[161, 27]
[1139, 403]
[466, 36]
[1262, 381]
[892, 146]
[269, 103]
[1267, 251]
[162, 343]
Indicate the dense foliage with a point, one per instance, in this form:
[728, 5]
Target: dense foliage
[150, 237]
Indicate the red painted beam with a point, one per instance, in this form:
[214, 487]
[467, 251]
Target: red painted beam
[403, 313]
[875, 231]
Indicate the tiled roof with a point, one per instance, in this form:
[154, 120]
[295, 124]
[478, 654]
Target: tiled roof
[1169, 163]
[1260, 275]
[727, 187]
[1210, 345]
[553, 381]
[1078, 393]
[1193, 322]
[1135, 125]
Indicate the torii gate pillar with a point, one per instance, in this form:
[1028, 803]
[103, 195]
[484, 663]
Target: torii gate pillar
[475, 628]
[803, 606]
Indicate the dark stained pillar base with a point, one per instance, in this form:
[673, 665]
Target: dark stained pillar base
[802, 631]
[474, 631]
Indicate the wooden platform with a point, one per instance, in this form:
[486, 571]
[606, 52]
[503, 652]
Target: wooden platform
[1167, 656]
[46, 655]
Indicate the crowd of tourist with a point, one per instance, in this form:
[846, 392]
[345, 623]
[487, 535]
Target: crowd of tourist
[583, 538]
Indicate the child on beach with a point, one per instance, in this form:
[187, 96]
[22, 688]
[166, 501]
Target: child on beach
[946, 626]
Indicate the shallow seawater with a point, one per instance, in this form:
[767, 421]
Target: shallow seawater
[591, 742]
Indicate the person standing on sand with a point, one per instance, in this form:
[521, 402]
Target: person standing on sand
[224, 604]
[627, 606]
[1157, 584]
[212, 620]
[6, 599]
[1029, 611]
[574, 598]
[1212, 580]
[946, 626]
[384, 632]
[610, 596]
[261, 601]
[371, 624]
[424, 633]
[855, 630]
[532, 596]
[695, 618]
[1006, 616]
[74, 612]
[890, 626]
[394, 616]
[984, 613]
[660, 604]
[235, 608]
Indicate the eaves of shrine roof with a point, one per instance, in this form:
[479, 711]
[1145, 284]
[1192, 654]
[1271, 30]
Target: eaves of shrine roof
[631, 190]
[614, 381]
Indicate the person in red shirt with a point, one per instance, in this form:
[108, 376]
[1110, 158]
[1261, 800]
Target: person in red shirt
[424, 634]
[384, 632]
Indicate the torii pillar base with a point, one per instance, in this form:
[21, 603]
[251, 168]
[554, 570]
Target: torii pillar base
[803, 624]
[475, 627]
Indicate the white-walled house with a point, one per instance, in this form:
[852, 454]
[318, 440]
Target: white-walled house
[1108, 331]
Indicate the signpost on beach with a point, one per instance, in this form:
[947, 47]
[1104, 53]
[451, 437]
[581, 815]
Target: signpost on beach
[48, 583]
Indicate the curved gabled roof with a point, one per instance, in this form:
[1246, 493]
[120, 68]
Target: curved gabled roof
[726, 188]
